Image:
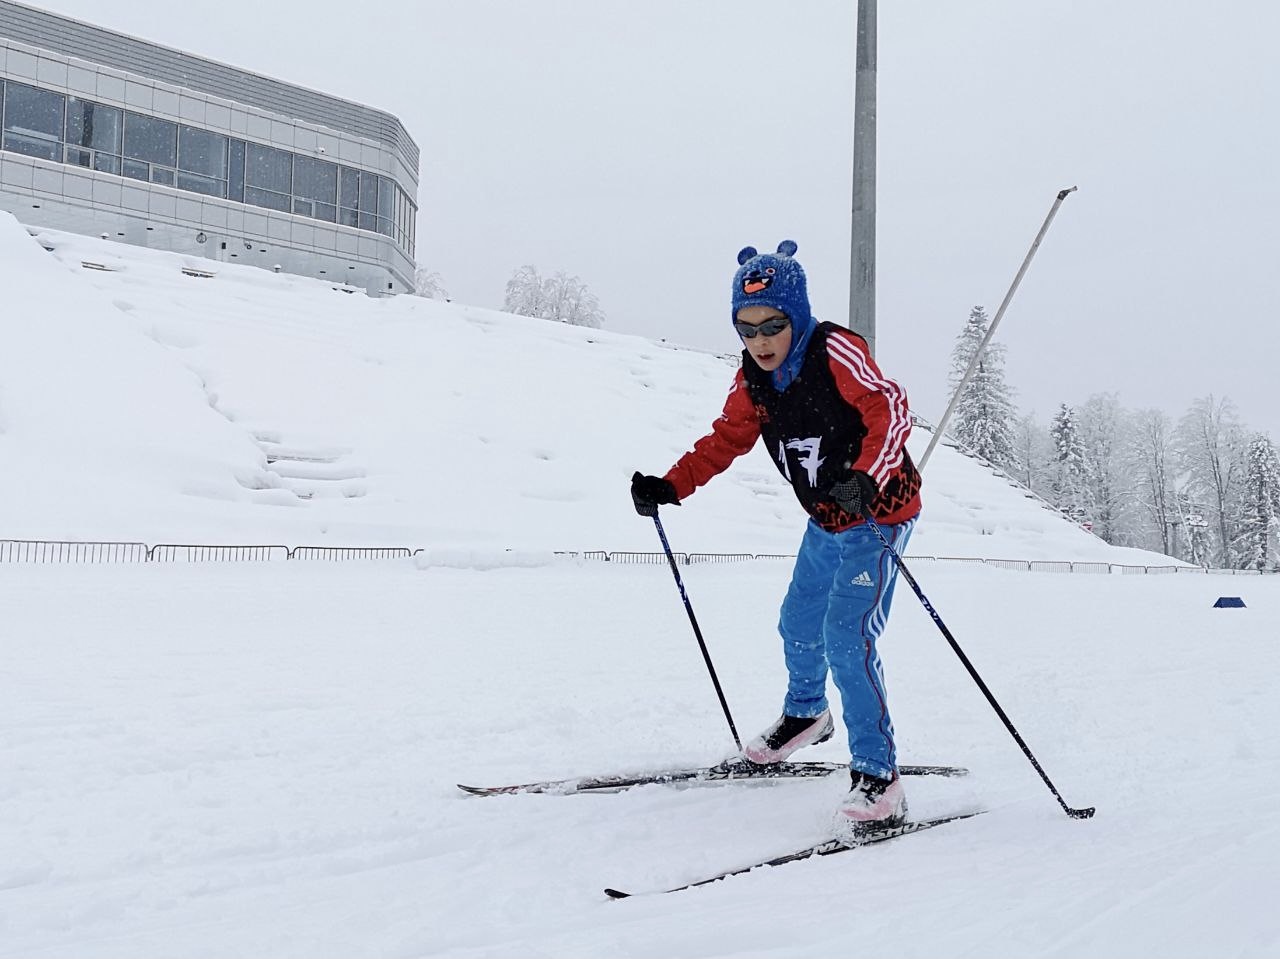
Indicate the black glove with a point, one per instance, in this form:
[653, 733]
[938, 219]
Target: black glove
[650, 492]
[854, 494]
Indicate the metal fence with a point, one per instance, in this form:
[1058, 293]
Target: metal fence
[631, 557]
[1022, 565]
[54, 551]
[1091, 567]
[171, 553]
[66, 551]
[340, 553]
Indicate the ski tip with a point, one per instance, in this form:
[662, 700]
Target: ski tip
[486, 790]
[617, 894]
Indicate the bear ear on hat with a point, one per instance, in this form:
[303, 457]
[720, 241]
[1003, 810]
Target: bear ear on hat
[746, 253]
[788, 248]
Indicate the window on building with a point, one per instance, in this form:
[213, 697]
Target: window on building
[315, 188]
[368, 201]
[33, 121]
[235, 178]
[202, 161]
[349, 197]
[268, 177]
[46, 124]
[93, 135]
[386, 207]
[150, 148]
[106, 163]
[406, 224]
[399, 218]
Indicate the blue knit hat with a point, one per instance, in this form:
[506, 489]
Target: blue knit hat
[772, 279]
[776, 280]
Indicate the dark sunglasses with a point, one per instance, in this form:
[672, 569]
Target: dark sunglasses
[771, 327]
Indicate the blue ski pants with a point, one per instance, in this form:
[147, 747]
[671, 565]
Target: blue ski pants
[835, 610]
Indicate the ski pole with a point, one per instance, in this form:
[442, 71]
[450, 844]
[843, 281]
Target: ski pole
[706, 656]
[1026, 750]
[991, 330]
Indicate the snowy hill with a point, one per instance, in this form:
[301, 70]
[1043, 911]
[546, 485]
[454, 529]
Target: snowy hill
[259, 759]
[144, 399]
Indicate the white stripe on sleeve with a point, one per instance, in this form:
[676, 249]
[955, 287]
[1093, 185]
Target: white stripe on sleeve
[853, 359]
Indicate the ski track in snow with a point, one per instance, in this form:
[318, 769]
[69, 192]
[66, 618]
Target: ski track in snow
[259, 760]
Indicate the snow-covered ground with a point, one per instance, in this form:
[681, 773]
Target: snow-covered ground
[259, 759]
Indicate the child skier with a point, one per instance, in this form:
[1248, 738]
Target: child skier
[836, 429]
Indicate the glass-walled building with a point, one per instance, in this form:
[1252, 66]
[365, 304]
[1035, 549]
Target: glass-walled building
[105, 134]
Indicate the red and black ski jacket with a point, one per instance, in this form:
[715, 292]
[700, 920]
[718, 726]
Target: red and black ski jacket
[839, 414]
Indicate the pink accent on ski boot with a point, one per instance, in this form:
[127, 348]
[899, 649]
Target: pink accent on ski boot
[872, 804]
[787, 735]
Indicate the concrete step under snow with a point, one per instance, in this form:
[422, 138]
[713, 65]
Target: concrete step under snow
[321, 470]
[297, 454]
[319, 488]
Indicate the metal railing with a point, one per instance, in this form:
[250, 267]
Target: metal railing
[76, 552]
[627, 556]
[56, 551]
[171, 553]
[340, 553]
[720, 557]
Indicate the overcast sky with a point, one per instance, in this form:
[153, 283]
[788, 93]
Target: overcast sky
[640, 146]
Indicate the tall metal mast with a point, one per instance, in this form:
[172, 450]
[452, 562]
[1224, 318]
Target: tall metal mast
[862, 267]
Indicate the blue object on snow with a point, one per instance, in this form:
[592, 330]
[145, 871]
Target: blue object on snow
[1229, 602]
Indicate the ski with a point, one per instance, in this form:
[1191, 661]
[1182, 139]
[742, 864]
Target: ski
[733, 770]
[828, 848]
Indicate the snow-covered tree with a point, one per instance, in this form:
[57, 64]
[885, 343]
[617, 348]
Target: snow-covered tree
[427, 283]
[1034, 451]
[1069, 487]
[562, 297]
[985, 417]
[1260, 513]
[1152, 469]
[1102, 426]
[524, 293]
[1211, 453]
[571, 302]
